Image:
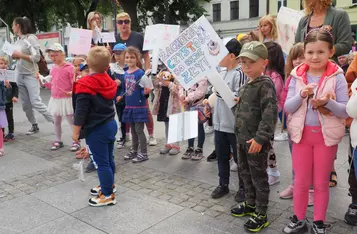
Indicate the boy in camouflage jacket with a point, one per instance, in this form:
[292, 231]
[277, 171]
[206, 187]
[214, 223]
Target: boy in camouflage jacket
[256, 116]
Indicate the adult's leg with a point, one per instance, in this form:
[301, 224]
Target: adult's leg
[25, 99]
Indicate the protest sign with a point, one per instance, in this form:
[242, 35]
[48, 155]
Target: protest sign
[194, 53]
[7, 75]
[108, 37]
[48, 39]
[287, 23]
[79, 41]
[222, 88]
[182, 126]
[8, 48]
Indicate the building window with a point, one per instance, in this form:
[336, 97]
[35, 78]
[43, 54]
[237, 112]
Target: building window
[254, 8]
[216, 12]
[282, 3]
[234, 10]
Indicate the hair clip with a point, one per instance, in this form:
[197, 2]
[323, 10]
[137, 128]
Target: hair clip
[325, 28]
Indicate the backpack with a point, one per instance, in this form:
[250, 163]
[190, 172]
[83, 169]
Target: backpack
[42, 65]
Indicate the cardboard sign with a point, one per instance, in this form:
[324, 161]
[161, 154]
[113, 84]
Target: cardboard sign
[48, 39]
[7, 75]
[108, 37]
[222, 88]
[194, 54]
[79, 41]
[287, 23]
[183, 126]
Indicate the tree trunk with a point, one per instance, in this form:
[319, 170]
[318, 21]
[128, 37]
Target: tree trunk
[130, 7]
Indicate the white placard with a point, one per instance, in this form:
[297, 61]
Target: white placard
[8, 48]
[183, 126]
[160, 34]
[222, 88]
[194, 54]
[7, 75]
[287, 23]
[80, 41]
[108, 37]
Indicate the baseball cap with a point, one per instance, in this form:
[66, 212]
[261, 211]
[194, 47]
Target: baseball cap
[119, 47]
[55, 47]
[254, 50]
[83, 66]
[234, 47]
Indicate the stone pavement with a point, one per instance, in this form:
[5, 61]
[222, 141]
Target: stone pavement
[40, 191]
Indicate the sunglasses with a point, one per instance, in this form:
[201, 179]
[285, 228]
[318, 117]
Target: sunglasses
[123, 21]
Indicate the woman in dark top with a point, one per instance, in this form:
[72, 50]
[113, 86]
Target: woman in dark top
[94, 23]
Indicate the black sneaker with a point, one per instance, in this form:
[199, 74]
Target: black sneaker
[121, 143]
[220, 191]
[296, 226]
[318, 227]
[34, 129]
[240, 195]
[257, 222]
[243, 209]
[90, 167]
[188, 154]
[212, 157]
[351, 215]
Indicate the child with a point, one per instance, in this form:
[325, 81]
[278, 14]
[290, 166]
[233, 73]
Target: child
[343, 62]
[268, 29]
[256, 116]
[12, 95]
[316, 104]
[94, 121]
[117, 70]
[223, 119]
[60, 104]
[166, 102]
[351, 214]
[3, 119]
[193, 100]
[135, 112]
[77, 61]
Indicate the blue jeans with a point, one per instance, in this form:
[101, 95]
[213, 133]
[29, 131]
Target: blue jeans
[101, 143]
[201, 138]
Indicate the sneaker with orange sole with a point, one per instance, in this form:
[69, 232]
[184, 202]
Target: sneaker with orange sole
[102, 200]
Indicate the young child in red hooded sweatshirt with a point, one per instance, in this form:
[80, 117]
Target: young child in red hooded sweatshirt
[94, 121]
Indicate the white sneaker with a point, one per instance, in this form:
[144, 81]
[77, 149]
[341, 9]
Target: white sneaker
[273, 180]
[281, 137]
[234, 166]
[209, 129]
[152, 141]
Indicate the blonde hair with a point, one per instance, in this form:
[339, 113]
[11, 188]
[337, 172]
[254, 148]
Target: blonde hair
[5, 59]
[351, 56]
[309, 6]
[136, 52]
[123, 14]
[98, 59]
[90, 17]
[295, 52]
[274, 30]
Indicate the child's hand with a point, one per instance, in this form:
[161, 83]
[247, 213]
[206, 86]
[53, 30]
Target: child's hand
[14, 99]
[38, 75]
[308, 90]
[118, 99]
[254, 146]
[236, 99]
[7, 83]
[117, 81]
[147, 91]
[207, 111]
[69, 94]
[205, 102]
[82, 153]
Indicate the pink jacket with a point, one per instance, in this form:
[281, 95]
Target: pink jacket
[333, 128]
[279, 85]
[174, 105]
[62, 80]
[284, 93]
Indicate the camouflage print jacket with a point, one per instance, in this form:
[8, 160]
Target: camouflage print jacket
[256, 112]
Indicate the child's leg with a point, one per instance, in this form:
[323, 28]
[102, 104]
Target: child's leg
[352, 181]
[303, 166]
[1, 139]
[139, 129]
[150, 123]
[58, 127]
[134, 138]
[222, 146]
[233, 144]
[111, 156]
[69, 119]
[324, 158]
[281, 119]
[166, 131]
[201, 136]
[272, 162]
[10, 116]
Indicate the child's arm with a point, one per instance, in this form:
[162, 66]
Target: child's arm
[81, 113]
[293, 100]
[269, 110]
[278, 82]
[15, 91]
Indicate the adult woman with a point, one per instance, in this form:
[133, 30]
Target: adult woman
[94, 23]
[321, 13]
[27, 56]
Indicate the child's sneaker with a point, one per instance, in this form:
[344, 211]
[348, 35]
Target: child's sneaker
[75, 147]
[188, 153]
[296, 226]
[175, 150]
[140, 158]
[197, 155]
[243, 209]
[130, 155]
[318, 227]
[273, 180]
[166, 149]
[152, 141]
[102, 200]
[9, 137]
[351, 215]
[240, 195]
[2, 152]
[121, 143]
[57, 145]
[97, 190]
[311, 198]
[287, 193]
[257, 222]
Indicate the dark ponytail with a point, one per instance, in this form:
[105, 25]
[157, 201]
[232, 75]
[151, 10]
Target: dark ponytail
[25, 25]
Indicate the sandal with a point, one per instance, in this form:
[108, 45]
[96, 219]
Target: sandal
[333, 179]
[75, 147]
[57, 145]
[2, 152]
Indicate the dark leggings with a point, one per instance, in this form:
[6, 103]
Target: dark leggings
[201, 138]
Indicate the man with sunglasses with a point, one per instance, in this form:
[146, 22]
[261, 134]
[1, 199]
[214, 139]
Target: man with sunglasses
[131, 38]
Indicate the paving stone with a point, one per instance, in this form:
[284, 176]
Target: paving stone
[164, 197]
[199, 208]
[212, 213]
[188, 204]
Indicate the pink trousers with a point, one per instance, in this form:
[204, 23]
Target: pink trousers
[312, 163]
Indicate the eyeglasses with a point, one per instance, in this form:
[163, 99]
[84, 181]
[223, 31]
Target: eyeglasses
[123, 21]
